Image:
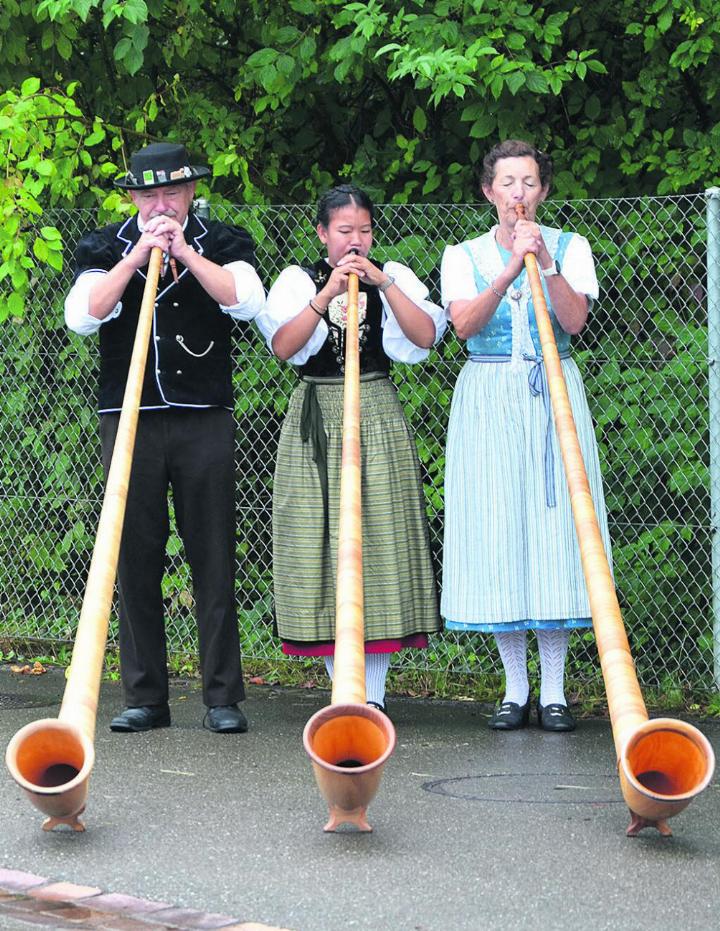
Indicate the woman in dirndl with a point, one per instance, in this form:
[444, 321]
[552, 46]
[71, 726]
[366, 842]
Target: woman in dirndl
[304, 324]
[511, 561]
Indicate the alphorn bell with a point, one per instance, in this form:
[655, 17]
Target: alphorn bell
[664, 763]
[348, 742]
[51, 759]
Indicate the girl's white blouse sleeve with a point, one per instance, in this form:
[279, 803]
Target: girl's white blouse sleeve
[396, 345]
[291, 292]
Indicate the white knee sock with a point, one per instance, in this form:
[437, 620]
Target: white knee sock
[513, 653]
[376, 669]
[552, 646]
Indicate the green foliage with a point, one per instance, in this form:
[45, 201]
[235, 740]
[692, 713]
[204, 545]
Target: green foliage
[403, 96]
[47, 162]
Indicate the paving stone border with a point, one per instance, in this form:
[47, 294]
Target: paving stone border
[36, 900]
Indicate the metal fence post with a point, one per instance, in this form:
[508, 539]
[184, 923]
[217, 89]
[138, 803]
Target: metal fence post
[201, 207]
[713, 306]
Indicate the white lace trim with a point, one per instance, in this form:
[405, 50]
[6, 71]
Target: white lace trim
[486, 256]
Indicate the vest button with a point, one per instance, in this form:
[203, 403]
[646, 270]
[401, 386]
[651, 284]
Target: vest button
[179, 372]
[175, 304]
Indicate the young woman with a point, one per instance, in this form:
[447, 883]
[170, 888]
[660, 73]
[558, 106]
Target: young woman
[511, 562]
[304, 323]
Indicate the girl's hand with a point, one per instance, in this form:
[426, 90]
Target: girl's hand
[363, 268]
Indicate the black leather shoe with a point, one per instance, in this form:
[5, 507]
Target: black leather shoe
[144, 718]
[375, 704]
[510, 716]
[555, 718]
[225, 719]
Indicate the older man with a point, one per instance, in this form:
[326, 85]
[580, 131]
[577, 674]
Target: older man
[185, 436]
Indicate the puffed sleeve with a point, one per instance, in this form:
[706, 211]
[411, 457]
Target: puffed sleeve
[578, 267]
[232, 244]
[234, 250]
[395, 343]
[457, 279]
[95, 252]
[94, 255]
[289, 294]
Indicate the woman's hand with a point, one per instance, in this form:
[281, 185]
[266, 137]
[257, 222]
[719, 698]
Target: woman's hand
[527, 237]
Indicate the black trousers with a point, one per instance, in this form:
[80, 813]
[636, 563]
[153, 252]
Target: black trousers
[192, 453]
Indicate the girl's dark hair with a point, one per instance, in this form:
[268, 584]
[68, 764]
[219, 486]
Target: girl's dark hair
[516, 148]
[341, 196]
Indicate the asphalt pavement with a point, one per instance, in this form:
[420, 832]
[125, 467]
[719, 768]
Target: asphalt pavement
[473, 829]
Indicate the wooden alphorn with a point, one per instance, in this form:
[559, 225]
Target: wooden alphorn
[663, 764]
[51, 759]
[349, 675]
[349, 741]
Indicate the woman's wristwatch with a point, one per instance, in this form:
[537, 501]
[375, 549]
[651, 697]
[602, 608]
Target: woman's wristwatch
[554, 269]
[386, 284]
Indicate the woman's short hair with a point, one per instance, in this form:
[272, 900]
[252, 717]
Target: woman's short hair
[341, 196]
[516, 148]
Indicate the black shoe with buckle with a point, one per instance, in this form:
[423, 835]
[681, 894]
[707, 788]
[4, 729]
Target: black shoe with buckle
[510, 716]
[144, 718]
[225, 719]
[555, 717]
[376, 704]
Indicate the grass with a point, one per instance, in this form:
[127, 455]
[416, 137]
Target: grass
[587, 696]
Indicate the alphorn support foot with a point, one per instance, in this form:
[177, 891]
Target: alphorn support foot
[338, 816]
[72, 821]
[637, 823]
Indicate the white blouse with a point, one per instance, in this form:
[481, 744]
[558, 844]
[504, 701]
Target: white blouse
[294, 288]
[458, 280]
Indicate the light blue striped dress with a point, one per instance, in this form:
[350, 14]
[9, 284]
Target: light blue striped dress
[511, 560]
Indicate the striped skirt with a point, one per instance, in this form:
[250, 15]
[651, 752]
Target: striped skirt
[511, 560]
[399, 590]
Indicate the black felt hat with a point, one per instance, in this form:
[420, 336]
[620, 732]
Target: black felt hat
[159, 165]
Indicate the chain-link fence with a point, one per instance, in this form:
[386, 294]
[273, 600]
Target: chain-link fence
[644, 357]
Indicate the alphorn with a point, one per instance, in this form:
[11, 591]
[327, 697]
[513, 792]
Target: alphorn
[51, 759]
[662, 763]
[349, 742]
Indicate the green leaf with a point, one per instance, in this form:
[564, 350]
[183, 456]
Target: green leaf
[483, 126]
[515, 81]
[30, 86]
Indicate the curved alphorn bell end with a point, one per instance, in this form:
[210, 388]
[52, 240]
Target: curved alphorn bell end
[348, 745]
[51, 761]
[663, 765]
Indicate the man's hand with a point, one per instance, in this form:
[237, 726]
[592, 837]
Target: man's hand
[139, 255]
[171, 231]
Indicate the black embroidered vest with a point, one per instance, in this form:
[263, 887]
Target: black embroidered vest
[330, 360]
[189, 362]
